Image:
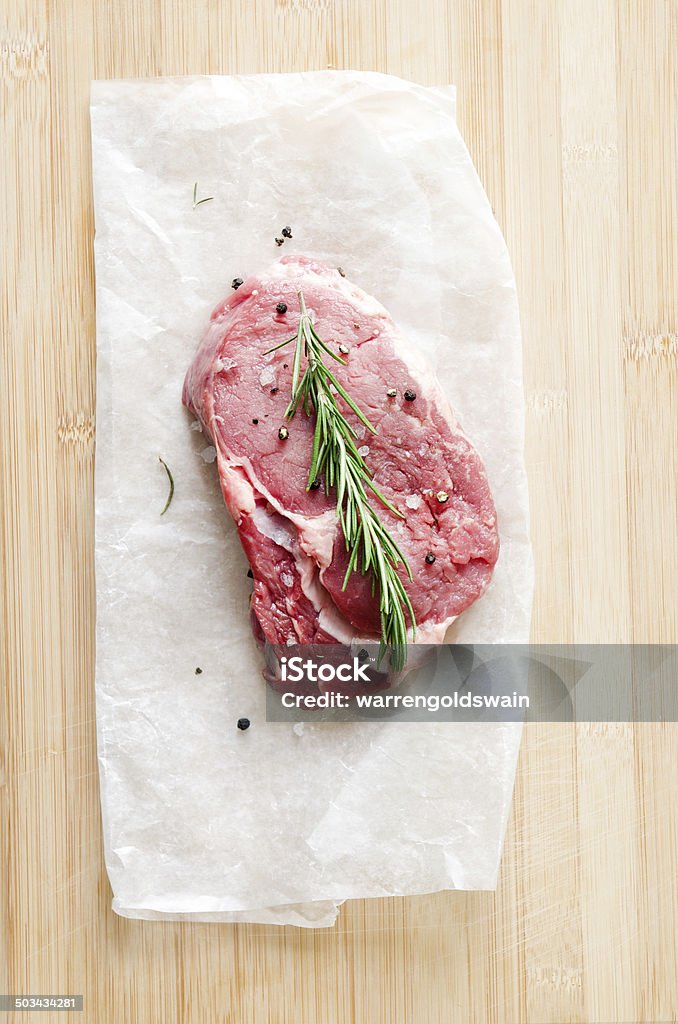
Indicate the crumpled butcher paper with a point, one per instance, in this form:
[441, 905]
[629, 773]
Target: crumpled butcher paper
[281, 823]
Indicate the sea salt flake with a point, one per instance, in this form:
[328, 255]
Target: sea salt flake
[196, 425]
[267, 376]
[209, 454]
[413, 500]
[365, 450]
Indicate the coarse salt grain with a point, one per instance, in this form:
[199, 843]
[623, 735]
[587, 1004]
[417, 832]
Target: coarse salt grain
[208, 454]
[267, 376]
[413, 500]
[364, 450]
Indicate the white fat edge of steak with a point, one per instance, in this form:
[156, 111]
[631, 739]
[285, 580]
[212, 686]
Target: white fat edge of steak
[240, 497]
[329, 618]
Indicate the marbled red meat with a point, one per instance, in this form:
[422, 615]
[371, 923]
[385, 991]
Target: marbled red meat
[291, 536]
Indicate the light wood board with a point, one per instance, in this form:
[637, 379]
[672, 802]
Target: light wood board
[570, 109]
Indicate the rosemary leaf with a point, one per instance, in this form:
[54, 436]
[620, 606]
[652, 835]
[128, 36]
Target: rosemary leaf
[198, 202]
[171, 486]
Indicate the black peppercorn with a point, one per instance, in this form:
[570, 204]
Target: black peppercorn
[250, 574]
[274, 390]
[281, 308]
[286, 232]
[236, 282]
[283, 433]
[410, 395]
[243, 723]
[255, 421]
[430, 558]
[198, 671]
[315, 485]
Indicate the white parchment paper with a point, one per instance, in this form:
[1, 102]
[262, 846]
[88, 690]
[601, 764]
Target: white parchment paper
[280, 824]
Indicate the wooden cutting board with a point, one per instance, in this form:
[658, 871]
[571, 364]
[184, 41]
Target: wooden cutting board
[570, 109]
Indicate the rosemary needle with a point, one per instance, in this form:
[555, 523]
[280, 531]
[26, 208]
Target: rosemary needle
[196, 201]
[335, 454]
[171, 486]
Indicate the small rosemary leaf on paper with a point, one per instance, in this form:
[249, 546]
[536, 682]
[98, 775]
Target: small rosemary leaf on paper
[198, 202]
[171, 486]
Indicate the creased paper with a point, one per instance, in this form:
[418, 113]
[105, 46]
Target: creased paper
[280, 824]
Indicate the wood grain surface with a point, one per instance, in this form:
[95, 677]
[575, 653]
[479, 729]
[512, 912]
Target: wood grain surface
[570, 109]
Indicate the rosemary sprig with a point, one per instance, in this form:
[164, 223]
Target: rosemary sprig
[335, 454]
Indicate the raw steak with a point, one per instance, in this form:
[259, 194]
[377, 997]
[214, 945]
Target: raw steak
[291, 536]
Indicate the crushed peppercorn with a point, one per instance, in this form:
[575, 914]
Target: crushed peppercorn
[286, 232]
[341, 271]
[236, 282]
[198, 671]
[315, 485]
[250, 574]
[410, 395]
[343, 349]
[283, 433]
[274, 391]
[279, 241]
[281, 308]
[430, 558]
[392, 392]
